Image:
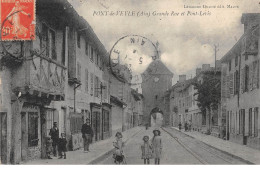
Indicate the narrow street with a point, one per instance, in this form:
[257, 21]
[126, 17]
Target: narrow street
[178, 148]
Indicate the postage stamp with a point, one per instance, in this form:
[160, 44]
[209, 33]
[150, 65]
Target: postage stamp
[17, 19]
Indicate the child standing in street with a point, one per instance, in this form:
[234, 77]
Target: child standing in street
[146, 150]
[62, 146]
[157, 146]
[118, 144]
[48, 147]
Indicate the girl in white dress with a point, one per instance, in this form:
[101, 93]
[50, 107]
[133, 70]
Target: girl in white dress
[157, 146]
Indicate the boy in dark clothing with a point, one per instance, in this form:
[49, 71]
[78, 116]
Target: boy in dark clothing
[54, 133]
[62, 146]
[87, 134]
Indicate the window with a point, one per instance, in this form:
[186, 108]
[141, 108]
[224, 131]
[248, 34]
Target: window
[236, 61]
[91, 84]
[229, 65]
[32, 129]
[91, 54]
[78, 39]
[106, 120]
[44, 41]
[246, 78]
[53, 45]
[86, 48]
[86, 80]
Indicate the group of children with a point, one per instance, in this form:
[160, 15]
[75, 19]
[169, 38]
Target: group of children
[62, 142]
[150, 149]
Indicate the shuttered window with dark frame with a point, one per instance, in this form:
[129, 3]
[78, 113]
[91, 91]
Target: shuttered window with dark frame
[44, 41]
[53, 44]
[250, 122]
[255, 122]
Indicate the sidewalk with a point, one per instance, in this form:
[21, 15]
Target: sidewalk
[97, 150]
[249, 154]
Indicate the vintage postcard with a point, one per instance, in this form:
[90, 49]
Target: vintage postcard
[112, 82]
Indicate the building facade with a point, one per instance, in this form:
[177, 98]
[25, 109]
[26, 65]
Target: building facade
[61, 76]
[240, 86]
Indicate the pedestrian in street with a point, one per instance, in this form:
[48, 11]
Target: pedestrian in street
[157, 146]
[48, 147]
[179, 126]
[62, 146]
[54, 133]
[118, 154]
[146, 148]
[87, 135]
[186, 126]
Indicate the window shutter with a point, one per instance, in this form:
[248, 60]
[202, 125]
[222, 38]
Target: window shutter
[223, 92]
[227, 86]
[242, 81]
[255, 122]
[258, 70]
[231, 84]
[251, 77]
[86, 80]
[91, 84]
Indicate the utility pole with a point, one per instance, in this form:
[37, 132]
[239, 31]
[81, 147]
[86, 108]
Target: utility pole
[216, 50]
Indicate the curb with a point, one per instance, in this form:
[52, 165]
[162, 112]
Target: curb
[104, 155]
[225, 152]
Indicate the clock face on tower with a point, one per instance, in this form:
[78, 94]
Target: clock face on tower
[130, 56]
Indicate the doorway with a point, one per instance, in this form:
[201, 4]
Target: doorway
[24, 137]
[3, 137]
[229, 114]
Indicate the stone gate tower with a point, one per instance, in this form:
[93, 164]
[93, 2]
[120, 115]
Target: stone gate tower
[157, 79]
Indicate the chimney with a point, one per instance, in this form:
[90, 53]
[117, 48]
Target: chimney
[198, 70]
[182, 78]
[205, 67]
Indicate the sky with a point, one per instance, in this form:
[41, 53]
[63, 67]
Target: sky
[185, 42]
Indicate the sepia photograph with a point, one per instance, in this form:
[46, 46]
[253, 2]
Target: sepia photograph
[129, 82]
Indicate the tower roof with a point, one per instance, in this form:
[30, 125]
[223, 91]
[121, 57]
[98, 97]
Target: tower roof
[157, 67]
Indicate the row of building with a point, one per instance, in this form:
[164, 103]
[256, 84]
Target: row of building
[237, 116]
[62, 76]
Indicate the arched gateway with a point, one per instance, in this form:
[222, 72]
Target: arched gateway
[156, 117]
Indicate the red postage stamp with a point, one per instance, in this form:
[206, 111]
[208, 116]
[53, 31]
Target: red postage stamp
[17, 19]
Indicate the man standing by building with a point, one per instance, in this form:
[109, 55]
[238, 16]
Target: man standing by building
[54, 133]
[87, 134]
